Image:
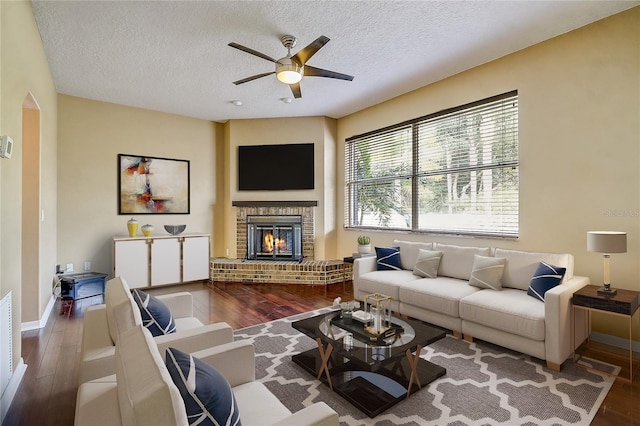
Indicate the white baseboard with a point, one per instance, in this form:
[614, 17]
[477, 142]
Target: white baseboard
[12, 389]
[615, 341]
[35, 325]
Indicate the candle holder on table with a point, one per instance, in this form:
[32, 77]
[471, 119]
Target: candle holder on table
[379, 308]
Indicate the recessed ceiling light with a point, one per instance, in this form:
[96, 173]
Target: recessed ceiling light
[237, 103]
[286, 100]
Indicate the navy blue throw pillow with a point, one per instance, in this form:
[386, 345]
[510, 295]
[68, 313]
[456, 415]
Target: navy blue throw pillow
[544, 279]
[388, 258]
[207, 395]
[156, 316]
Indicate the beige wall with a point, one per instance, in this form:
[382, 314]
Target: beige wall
[317, 130]
[91, 135]
[25, 80]
[579, 97]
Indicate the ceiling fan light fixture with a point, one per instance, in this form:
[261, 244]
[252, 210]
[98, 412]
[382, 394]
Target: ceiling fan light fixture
[288, 71]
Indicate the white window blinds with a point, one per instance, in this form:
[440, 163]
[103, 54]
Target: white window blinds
[453, 172]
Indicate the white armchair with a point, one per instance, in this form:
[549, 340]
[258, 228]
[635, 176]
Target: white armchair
[142, 391]
[104, 323]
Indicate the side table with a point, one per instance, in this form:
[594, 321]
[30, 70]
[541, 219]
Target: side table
[624, 304]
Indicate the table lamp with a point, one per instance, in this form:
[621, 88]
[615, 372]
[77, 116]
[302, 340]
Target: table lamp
[607, 242]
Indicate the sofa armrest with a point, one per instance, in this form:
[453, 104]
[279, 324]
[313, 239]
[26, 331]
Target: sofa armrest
[181, 304]
[557, 313]
[196, 339]
[362, 265]
[235, 361]
[318, 414]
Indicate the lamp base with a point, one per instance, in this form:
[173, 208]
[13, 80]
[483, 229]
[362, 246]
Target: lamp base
[607, 291]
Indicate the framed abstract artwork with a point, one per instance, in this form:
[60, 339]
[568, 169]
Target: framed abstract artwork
[152, 185]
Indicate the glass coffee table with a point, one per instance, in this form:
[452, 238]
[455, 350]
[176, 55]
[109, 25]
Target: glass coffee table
[371, 373]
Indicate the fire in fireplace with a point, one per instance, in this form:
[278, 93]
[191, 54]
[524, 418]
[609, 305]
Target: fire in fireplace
[274, 237]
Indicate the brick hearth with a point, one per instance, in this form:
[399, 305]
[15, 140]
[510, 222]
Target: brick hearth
[311, 272]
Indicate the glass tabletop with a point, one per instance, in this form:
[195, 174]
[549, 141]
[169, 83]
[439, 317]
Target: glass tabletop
[351, 341]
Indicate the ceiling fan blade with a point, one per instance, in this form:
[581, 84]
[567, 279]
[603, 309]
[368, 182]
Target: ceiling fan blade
[310, 71]
[253, 77]
[295, 89]
[251, 51]
[305, 54]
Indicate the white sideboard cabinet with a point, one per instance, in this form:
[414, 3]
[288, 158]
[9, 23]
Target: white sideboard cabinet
[161, 260]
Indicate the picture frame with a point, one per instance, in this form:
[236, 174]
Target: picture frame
[153, 185]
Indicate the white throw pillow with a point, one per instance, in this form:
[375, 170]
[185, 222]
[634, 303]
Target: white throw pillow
[487, 272]
[427, 263]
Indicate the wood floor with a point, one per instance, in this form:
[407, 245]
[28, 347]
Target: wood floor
[48, 390]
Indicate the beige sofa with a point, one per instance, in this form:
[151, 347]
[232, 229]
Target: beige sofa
[508, 317]
[104, 323]
[142, 392]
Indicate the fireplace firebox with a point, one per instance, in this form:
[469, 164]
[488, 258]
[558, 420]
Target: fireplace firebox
[274, 237]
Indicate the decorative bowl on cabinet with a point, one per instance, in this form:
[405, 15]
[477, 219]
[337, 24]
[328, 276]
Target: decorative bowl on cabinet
[175, 229]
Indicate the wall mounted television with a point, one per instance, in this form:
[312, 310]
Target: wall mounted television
[275, 167]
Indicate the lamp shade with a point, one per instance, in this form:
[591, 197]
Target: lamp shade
[607, 241]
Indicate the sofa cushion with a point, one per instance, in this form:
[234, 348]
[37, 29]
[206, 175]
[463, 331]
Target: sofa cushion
[427, 263]
[409, 252]
[207, 395]
[388, 259]
[544, 279]
[258, 405]
[508, 310]
[385, 282]
[117, 294]
[156, 316]
[457, 261]
[521, 266]
[441, 295]
[146, 393]
[487, 272]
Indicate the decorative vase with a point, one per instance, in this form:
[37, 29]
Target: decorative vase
[132, 226]
[147, 230]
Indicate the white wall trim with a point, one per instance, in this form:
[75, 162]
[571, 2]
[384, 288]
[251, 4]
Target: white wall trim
[35, 325]
[12, 388]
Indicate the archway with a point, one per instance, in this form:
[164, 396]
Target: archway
[31, 210]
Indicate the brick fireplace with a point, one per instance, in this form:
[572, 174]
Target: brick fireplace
[275, 269]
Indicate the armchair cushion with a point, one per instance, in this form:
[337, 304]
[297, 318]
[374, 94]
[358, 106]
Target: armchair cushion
[544, 279]
[117, 294]
[207, 395]
[146, 393]
[156, 316]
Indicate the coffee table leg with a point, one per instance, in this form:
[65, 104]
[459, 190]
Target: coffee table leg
[324, 357]
[413, 363]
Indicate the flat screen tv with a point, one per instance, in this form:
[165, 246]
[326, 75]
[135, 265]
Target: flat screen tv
[275, 167]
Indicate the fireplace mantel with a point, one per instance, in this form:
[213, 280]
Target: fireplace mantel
[274, 203]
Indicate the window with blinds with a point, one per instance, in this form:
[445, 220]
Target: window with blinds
[452, 172]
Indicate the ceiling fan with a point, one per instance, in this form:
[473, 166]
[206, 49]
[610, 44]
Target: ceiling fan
[291, 69]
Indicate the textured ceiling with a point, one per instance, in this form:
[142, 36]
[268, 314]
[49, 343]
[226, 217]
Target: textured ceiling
[172, 56]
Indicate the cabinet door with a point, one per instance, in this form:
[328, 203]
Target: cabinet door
[195, 258]
[131, 262]
[165, 261]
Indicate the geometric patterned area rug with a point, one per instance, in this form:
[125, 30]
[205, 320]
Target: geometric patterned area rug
[484, 384]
